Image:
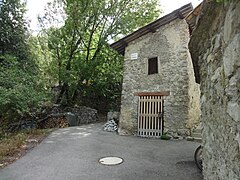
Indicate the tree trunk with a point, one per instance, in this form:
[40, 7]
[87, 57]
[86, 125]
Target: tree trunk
[62, 92]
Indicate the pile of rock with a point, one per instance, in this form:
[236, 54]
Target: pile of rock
[56, 117]
[74, 116]
[84, 115]
[110, 126]
[22, 125]
[112, 120]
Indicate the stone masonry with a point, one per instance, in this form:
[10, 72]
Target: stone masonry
[175, 74]
[215, 49]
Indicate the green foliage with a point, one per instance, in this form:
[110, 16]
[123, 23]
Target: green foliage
[13, 29]
[104, 84]
[19, 90]
[81, 62]
[21, 87]
[222, 1]
[165, 137]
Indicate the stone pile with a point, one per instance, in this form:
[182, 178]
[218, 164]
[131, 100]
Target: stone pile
[84, 114]
[56, 116]
[87, 115]
[110, 126]
[22, 125]
[112, 120]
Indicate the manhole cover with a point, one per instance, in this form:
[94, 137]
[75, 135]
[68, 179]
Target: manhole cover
[111, 161]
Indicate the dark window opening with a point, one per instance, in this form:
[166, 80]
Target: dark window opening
[153, 65]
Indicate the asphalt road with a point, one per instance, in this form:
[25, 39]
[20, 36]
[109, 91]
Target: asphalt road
[73, 154]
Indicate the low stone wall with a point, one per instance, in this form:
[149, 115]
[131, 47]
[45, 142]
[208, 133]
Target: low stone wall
[56, 116]
[215, 49]
[85, 115]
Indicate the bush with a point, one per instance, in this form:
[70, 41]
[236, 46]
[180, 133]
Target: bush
[165, 137]
[19, 90]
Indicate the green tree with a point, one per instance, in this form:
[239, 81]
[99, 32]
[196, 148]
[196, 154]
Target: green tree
[20, 86]
[13, 29]
[19, 90]
[84, 62]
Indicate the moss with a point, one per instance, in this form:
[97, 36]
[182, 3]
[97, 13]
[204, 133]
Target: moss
[165, 137]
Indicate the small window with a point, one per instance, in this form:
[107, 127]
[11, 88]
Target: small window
[153, 65]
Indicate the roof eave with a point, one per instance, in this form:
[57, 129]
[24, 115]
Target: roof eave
[180, 13]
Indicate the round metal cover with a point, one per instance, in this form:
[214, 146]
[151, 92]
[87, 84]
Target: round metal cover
[111, 161]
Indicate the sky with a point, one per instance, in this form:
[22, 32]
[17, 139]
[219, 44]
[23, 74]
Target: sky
[170, 5]
[36, 7]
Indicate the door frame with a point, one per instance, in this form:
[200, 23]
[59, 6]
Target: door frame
[151, 113]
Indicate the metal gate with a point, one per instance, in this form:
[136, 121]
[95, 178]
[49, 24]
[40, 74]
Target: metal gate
[150, 115]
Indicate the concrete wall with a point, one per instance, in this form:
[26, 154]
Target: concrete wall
[215, 46]
[175, 74]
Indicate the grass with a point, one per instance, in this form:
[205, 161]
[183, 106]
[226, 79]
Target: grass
[165, 137]
[11, 143]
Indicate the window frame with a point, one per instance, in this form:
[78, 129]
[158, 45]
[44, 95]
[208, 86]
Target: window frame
[152, 67]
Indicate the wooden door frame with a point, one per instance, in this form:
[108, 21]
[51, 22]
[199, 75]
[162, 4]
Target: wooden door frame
[148, 95]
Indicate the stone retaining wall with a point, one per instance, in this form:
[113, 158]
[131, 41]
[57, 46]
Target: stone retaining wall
[215, 48]
[76, 115]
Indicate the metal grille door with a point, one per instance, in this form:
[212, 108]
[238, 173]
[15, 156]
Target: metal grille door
[150, 116]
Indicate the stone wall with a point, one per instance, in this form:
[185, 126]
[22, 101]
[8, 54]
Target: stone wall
[79, 114]
[175, 74]
[194, 99]
[215, 49]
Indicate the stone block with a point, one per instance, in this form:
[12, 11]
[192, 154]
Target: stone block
[233, 110]
[183, 132]
[72, 119]
[113, 115]
[231, 55]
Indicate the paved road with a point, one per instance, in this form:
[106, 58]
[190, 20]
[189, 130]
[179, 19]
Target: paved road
[73, 154]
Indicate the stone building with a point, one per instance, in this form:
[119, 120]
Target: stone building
[215, 50]
[159, 92]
